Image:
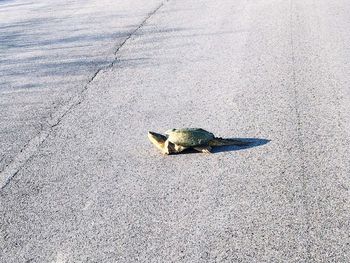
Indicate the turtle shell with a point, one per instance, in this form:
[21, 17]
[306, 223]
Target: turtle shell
[189, 137]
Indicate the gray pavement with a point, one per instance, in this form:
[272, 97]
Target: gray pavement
[49, 51]
[91, 188]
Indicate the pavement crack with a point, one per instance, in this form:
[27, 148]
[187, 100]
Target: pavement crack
[56, 117]
[300, 142]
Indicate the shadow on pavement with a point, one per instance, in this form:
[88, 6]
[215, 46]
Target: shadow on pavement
[251, 143]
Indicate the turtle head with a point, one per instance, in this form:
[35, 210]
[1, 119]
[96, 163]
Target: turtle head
[161, 142]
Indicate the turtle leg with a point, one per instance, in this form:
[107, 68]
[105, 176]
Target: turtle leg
[170, 148]
[179, 148]
[203, 149]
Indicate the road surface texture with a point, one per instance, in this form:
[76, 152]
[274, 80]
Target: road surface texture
[89, 186]
[49, 51]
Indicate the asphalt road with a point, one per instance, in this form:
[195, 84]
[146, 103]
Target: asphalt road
[89, 187]
[49, 51]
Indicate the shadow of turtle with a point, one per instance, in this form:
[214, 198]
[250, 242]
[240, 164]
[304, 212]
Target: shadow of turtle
[250, 143]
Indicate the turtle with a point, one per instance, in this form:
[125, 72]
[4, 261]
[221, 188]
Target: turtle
[178, 140]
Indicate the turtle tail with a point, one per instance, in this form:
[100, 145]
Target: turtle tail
[226, 142]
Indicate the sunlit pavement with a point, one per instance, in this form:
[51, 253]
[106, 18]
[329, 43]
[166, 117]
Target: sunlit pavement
[81, 182]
